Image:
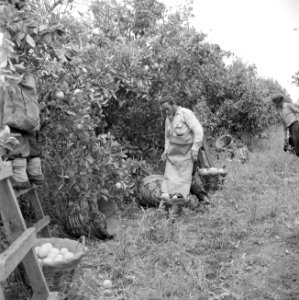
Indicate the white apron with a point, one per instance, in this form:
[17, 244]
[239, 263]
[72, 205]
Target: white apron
[179, 165]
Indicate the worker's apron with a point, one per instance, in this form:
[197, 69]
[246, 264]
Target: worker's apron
[179, 165]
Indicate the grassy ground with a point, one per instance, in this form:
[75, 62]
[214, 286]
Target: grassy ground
[244, 246]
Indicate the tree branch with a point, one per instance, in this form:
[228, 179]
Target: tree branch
[58, 2]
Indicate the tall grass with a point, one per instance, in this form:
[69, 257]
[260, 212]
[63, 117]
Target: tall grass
[226, 252]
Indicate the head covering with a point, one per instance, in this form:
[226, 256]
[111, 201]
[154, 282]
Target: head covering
[277, 99]
[166, 98]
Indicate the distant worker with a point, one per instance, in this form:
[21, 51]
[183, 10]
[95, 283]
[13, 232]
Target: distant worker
[287, 112]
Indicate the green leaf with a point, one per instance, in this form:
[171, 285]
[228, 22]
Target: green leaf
[3, 52]
[70, 113]
[105, 198]
[90, 159]
[20, 66]
[60, 53]
[30, 41]
[105, 192]
[42, 27]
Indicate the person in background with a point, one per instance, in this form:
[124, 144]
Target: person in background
[287, 112]
[26, 160]
[183, 139]
[19, 111]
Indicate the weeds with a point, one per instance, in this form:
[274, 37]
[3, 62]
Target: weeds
[252, 210]
[234, 250]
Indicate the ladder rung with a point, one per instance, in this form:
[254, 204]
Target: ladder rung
[19, 193]
[42, 223]
[5, 170]
[15, 253]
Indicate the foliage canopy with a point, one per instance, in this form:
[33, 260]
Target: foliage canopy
[112, 67]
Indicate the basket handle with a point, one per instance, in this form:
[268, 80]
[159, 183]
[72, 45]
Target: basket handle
[81, 241]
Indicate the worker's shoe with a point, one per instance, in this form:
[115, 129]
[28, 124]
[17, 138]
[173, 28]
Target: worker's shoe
[34, 171]
[178, 202]
[19, 180]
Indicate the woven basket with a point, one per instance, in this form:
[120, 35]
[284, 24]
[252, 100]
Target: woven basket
[60, 275]
[76, 222]
[92, 224]
[212, 182]
[150, 191]
[224, 142]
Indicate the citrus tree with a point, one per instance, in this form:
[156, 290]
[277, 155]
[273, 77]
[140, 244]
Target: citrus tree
[79, 166]
[243, 102]
[99, 82]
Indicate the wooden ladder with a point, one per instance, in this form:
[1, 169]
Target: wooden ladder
[22, 239]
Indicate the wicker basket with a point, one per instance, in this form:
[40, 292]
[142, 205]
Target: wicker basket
[80, 222]
[213, 182]
[60, 275]
[224, 142]
[150, 191]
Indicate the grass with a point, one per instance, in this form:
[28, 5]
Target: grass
[245, 246]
